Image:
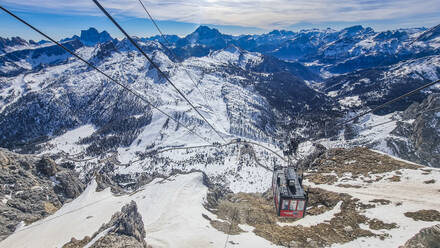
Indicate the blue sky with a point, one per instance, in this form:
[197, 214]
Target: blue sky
[62, 19]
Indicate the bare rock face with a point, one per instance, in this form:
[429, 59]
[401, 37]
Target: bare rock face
[47, 166]
[69, 184]
[31, 189]
[129, 222]
[118, 241]
[426, 238]
[309, 160]
[125, 229]
[423, 133]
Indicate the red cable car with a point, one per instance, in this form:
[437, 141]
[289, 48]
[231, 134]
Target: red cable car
[289, 197]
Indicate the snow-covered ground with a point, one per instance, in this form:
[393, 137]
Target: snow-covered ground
[171, 210]
[371, 130]
[409, 195]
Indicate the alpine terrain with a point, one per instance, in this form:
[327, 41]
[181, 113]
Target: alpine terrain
[87, 163]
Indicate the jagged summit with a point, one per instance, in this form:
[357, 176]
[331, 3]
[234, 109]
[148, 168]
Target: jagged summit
[205, 32]
[91, 37]
[281, 32]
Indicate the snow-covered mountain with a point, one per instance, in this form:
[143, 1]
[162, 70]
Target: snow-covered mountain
[328, 51]
[263, 89]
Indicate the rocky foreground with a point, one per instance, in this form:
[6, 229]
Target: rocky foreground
[358, 198]
[33, 188]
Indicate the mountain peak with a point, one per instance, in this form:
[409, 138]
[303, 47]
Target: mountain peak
[357, 29]
[277, 32]
[91, 36]
[430, 34]
[205, 32]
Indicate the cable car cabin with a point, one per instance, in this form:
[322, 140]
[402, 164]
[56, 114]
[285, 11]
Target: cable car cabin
[289, 197]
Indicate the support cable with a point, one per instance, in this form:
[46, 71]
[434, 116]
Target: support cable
[390, 102]
[168, 44]
[156, 66]
[132, 91]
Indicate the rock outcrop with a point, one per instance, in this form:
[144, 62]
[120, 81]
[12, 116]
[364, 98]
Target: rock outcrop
[426, 238]
[423, 133]
[125, 229]
[32, 188]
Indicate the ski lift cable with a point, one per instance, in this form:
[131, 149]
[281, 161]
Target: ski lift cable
[386, 122]
[168, 44]
[132, 91]
[390, 102]
[270, 224]
[157, 67]
[230, 227]
[421, 35]
[382, 63]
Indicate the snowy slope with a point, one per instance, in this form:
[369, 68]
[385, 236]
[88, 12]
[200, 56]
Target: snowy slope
[171, 210]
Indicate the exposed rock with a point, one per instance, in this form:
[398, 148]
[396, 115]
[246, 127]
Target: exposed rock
[358, 161]
[69, 184]
[3, 159]
[426, 238]
[28, 192]
[47, 166]
[125, 229]
[104, 181]
[74, 243]
[118, 241]
[381, 201]
[129, 222]
[423, 135]
[310, 160]
[376, 224]
[257, 211]
[424, 215]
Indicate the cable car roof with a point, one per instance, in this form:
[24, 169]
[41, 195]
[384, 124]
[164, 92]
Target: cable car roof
[290, 186]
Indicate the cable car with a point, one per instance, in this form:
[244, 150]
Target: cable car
[289, 197]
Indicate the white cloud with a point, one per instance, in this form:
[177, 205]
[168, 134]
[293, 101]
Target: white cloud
[260, 13]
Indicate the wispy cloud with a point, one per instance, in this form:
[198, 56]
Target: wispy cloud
[260, 13]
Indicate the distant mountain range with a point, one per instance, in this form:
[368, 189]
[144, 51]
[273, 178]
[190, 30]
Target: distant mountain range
[265, 86]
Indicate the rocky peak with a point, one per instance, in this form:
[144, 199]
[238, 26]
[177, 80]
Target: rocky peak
[11, 42]
[91, 36]
[430, 34]
[204, 32]
[125, 229]
[281, 32]
[129, 222]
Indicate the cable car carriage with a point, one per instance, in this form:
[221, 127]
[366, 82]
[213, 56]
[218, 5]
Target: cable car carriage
[290, 199]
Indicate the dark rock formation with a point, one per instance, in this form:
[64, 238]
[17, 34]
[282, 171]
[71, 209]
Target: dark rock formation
[309, 160]
[47, 166]
[426, 238]
[125, 229]
[423, 134]
[31, 189]
[128, 222]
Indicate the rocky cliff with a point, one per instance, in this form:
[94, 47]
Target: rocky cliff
[32, 188]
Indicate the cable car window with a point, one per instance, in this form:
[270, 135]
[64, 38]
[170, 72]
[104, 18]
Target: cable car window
[292, 205]
[285, 205]
[300, 205]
